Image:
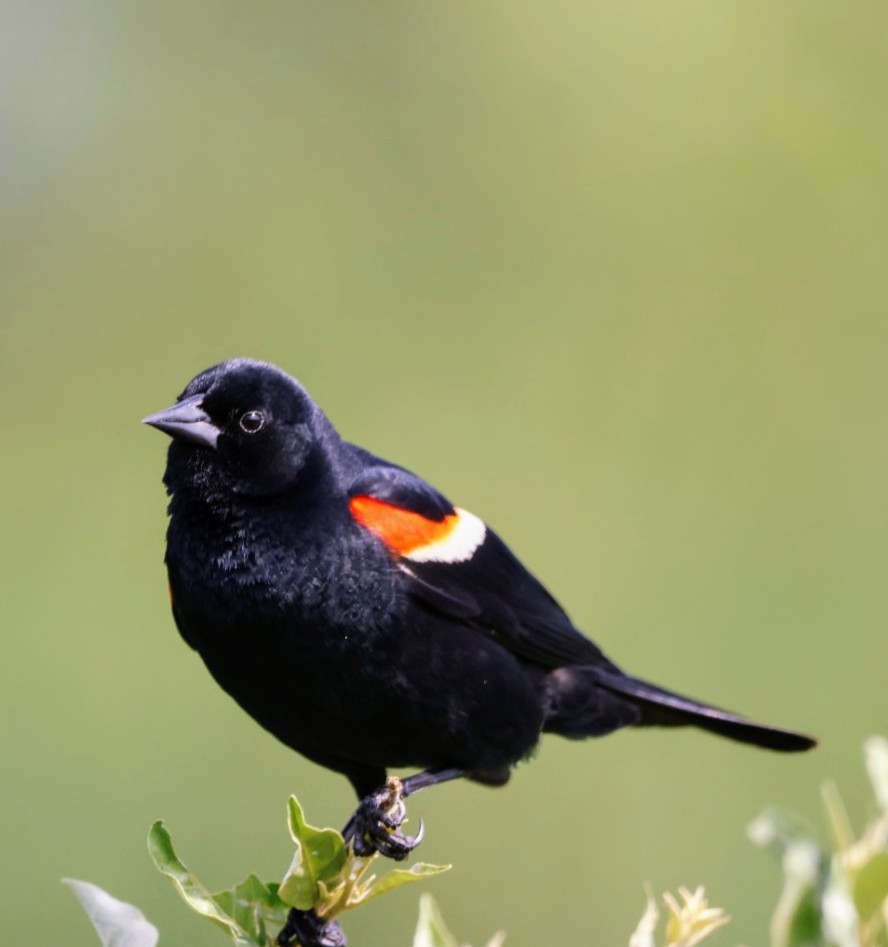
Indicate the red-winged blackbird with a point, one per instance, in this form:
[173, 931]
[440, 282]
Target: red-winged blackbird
[363, 619]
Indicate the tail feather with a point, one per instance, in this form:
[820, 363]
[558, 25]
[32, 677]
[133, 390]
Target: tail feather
[659, 707]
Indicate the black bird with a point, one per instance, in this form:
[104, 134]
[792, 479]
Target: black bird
[363, 619]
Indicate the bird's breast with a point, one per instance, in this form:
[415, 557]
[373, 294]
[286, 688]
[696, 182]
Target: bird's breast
[267, 572]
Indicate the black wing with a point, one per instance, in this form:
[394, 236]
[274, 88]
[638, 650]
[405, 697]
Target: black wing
[489, 589]
[482, 584]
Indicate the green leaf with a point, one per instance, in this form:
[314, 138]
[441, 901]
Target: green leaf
[319, 857]
[117, 923]
[253, 906]
[871, 886]
[160, 846]
[797, 919]
[430, 931]
[403, 876]
[799, 927]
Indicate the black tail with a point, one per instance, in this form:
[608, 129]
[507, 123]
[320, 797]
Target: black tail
[615, 700]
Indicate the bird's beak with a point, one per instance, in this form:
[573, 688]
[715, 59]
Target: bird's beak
[187, 421]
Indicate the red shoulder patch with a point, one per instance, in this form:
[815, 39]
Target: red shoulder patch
[403, 531]
[455, 538]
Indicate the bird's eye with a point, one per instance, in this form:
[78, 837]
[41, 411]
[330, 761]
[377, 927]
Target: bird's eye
[252, 421]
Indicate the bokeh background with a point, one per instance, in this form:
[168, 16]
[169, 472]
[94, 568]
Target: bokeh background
[611, 275]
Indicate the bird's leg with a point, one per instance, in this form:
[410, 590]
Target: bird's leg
[374, 825]
[429, 777]
[308, 930]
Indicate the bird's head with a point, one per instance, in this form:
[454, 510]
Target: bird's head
[241, 425]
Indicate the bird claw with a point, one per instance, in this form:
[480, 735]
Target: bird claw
[306, 929]
[375, 825]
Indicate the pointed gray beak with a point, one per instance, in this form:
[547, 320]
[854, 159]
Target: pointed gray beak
[186, 421]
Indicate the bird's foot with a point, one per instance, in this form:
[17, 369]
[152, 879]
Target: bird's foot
[374, 826]
[306, 929]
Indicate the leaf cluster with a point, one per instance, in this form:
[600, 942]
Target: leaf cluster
[324, 875]
[836, 895]
[832, 896]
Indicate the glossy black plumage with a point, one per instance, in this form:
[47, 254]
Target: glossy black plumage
[357, 656]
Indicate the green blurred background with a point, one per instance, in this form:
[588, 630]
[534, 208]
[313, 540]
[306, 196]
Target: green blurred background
[611, 275]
